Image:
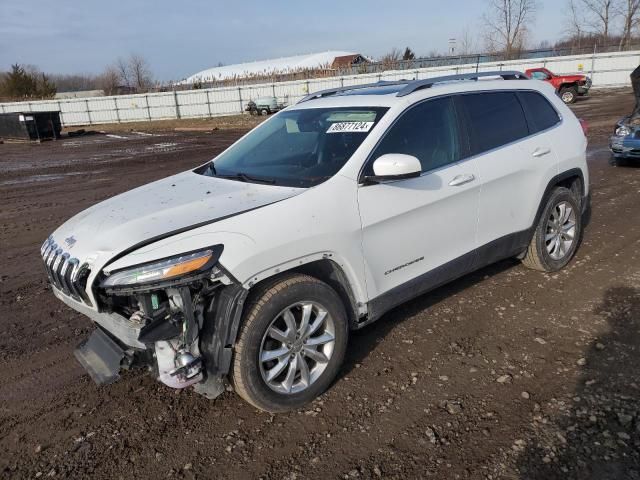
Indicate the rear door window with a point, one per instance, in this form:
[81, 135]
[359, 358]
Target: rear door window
[495, 119]
[540, 113]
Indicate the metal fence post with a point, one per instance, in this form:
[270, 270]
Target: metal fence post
[3, 109]
[209, 103]
[240, 97]
[86, 107]
[273, 89]
[146, 99]
[175, 100]
[593, 61]
[115, 104]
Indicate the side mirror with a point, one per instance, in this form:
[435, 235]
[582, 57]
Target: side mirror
[394, 166]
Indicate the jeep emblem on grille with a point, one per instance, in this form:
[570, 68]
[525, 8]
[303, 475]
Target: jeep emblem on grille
[70, 241]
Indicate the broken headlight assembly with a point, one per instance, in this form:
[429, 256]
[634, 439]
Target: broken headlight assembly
[622, 131]
[172, 269]
[164, 302]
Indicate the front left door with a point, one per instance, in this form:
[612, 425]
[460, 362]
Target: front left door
[421, 231]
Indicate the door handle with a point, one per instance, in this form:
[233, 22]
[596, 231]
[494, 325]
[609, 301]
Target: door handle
[540, 152]
[461, 180]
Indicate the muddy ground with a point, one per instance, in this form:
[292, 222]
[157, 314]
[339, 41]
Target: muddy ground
[505, 373]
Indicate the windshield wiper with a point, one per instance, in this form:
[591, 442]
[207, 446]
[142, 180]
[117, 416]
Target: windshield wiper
[243, 177]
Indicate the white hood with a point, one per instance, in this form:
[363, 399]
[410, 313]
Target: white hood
[173, 204]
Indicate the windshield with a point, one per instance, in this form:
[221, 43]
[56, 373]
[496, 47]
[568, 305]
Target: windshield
[298, 148]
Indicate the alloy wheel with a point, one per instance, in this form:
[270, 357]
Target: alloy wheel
[560, 231]
[297, 347]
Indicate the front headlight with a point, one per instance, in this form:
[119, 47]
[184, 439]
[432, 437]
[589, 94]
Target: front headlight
[172, 268]
[622, 131]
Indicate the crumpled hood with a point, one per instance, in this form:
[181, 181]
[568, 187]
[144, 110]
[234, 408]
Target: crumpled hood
[172, 204]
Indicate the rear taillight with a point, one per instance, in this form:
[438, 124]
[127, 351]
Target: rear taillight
[584, 125]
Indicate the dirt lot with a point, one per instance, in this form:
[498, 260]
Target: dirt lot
[506, 373]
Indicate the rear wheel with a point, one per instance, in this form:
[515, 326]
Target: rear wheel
[291, 344]
[557, 234]
[264, 111]
[569, 94]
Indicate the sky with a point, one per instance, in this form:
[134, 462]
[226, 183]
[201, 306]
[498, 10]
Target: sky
[180, 38]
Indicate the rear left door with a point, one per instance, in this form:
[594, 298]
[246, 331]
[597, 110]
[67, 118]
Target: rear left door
[513, 163]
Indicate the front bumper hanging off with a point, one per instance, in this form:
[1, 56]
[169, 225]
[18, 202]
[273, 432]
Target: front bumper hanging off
[120, 343]
[101, 357]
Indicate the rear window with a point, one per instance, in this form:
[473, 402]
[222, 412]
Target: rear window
[495, 119]
[540, 112]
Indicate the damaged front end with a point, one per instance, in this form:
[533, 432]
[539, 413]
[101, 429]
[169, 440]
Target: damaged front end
[177, 316]
[625, 141]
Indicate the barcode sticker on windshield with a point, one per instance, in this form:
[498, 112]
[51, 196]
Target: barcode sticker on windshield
[340, 127]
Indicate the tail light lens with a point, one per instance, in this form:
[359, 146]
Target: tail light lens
[584, 125]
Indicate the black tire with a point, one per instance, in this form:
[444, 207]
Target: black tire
[262, 307]
[568, 94]
[537, 256]
[264, 111]
[613, 161]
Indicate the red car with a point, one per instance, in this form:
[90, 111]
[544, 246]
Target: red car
[569, 87]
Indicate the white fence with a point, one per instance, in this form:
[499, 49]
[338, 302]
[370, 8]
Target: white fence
[605, 69]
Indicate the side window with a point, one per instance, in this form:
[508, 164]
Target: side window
[495, 119]
[427, 131]
[539, 75]
[540, 113]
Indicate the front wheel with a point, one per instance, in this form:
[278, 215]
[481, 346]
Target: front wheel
[291, 345]
[569, 95]
[557, 234]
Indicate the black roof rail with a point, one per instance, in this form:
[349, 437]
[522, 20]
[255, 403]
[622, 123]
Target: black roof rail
[415, 85]
[429, 82]
[333, 91]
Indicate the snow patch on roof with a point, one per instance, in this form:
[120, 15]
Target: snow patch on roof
[268, 67]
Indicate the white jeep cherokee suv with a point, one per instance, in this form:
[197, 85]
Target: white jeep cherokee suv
[256, 265]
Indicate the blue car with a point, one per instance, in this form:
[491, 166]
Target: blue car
[625, 141]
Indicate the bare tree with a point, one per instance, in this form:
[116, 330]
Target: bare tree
[600, 16]
[140, 72]
[507, 23]
[467, 42]
[391, 59]
[122, 67]
[110, 80]
[629, 10]
[575, 23]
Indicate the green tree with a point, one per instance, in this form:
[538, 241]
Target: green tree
[408, 54]
[20, 84]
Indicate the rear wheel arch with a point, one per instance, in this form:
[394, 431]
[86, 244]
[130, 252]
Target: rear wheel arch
[572, 179]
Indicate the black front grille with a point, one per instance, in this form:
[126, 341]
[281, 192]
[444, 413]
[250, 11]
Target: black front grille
[65, 272]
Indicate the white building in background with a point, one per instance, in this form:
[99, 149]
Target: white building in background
[297, 63]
